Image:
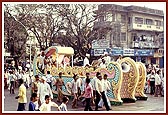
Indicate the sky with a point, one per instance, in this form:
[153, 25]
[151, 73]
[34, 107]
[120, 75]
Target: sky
[152, 5]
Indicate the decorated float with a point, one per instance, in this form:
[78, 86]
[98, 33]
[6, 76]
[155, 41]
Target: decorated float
[127, 77]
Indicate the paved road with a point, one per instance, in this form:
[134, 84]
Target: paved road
[152, 104]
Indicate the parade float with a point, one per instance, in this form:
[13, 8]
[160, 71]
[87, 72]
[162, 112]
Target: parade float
[127, 77]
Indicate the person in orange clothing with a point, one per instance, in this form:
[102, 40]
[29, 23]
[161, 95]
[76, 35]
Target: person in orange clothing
[59, 83]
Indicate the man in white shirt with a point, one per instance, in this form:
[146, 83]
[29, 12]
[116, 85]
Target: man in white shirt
[86, 60]
[157, 84]
[74, 91]
[107, 58]
[79, 85]
[44, 89]
[119, 58]
[107, 87]
[93, 82]
[49, 79]
[41, 62]
[63, 106]
[100, 93]
[46, 106]
[27, 79]
[12, 79]
[103, 64]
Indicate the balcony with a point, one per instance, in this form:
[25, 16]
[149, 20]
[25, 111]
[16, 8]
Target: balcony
[145, 27]
[103, 24]
[142, 44]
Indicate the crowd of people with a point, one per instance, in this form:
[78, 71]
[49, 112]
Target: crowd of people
[42, 93]
[89, 92]
[154, 81]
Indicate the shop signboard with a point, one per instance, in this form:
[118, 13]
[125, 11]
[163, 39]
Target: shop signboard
[116, 52]
[159, 55]
[99, 52]
[128, 52]
[100, 44]
[143, 52]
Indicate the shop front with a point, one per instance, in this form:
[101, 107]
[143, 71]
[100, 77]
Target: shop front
[159, 59]
[144, 55]
[115, 53]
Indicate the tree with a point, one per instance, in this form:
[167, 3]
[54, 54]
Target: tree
[47, 21]
[78, 23]
[15, 35]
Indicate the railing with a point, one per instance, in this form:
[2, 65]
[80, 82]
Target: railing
[141, 44]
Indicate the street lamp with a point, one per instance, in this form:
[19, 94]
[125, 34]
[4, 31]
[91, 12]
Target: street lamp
[31, 34]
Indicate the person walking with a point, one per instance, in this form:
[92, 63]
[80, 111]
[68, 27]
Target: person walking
[84, 81]
[100, 93]
[157, 84]
[74, 91]
[86, 60]
[107, 58]
[43, 90]
[103, 64]
[106, 88]
[88, 94]
[6, 79]
[93, 82]
[59, 83]
[46, 106]
[49, 79]
[22, 99]
[35, 87]
[12, 79]
[63, 106]
[152, 82]
[33, 99]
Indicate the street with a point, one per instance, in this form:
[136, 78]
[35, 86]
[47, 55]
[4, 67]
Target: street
[152, 104]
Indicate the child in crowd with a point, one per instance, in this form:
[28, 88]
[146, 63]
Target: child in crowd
[63, 106]
[33, 99]
[46, 106]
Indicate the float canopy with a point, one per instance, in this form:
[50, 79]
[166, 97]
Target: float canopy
[64, 50]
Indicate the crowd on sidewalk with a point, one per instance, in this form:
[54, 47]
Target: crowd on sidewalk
[154, 81]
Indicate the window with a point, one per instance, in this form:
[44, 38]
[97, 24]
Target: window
[149, 22]
[114, 37]
[123, 36]
[123, 18]
[134, 37]
[158, 23]
[129, 20]
[101, 18]
[109, 17]
[138, 20]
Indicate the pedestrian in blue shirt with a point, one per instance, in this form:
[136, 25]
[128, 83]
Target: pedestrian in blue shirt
[32, 100]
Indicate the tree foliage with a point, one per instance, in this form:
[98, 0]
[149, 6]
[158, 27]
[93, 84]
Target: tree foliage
[15, 35]
[48, 21]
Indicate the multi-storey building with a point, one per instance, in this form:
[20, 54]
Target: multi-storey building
[137, 31]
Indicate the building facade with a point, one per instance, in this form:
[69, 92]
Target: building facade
[137, 31]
